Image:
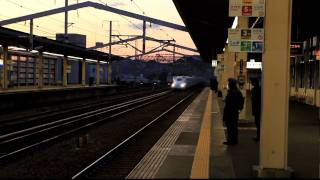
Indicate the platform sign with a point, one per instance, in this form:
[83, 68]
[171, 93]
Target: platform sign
[246, 40]
[220, 57]
[234, 46]
[68, 68]
[214, 63]
[254, 65]
[296, 48]
[247, 8]
[318, 55]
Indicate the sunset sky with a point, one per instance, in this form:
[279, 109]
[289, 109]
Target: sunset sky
[94, 23]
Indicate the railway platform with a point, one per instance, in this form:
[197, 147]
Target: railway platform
[20, 99]
[193, 146]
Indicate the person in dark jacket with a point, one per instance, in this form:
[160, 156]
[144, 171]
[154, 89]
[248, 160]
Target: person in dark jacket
[256, 105]
[231, 112]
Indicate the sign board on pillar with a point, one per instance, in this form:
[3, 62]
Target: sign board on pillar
[246, 40]
[296, 48]
[69, 68]
[317, 55]
[241, 66]
[214, 63]
[220, 57]
[247, 8]
[221, 67]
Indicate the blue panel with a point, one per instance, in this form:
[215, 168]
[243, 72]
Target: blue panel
[73, 77]
[59, 70]
[90, 71]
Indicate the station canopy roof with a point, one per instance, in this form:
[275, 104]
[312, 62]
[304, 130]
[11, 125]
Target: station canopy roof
[207, 22]
[21, 39]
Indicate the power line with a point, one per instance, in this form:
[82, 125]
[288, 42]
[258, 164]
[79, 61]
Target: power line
[21, 6]
[145, 14]
[132, 1]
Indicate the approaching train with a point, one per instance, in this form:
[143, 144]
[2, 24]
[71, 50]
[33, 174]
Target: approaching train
[184, 82]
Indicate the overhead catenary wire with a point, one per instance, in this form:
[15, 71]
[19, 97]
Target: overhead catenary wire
[60, 21]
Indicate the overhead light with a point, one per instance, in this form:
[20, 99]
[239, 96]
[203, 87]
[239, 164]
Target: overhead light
[234, 25]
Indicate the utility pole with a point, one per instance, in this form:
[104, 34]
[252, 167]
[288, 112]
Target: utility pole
[66, 22]
[110, 39]
[110, 46]
[31, 34]
[136, 52]
[144, 38]
[174, 52]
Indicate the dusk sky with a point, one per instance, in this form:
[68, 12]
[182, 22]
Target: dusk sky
[94, 23]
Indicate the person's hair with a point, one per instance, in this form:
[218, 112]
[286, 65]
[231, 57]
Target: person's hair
[232, 83]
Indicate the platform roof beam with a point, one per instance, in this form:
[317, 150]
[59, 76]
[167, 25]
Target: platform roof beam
[116, 42]
[96, 6]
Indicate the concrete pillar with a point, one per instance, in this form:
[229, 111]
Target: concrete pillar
[83, 72]
[65, 72]
[230, 64]
[224, 79]
[275, 91]
[40, 69]
[220, 70]
[243, 22]
[109, 72]
[98, 73]
[5, 67]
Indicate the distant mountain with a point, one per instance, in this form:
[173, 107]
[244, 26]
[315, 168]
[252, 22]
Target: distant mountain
[153, 70]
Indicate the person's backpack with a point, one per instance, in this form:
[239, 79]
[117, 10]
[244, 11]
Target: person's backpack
[240, 101]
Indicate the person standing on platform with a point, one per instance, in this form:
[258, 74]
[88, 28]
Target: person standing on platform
[233, 105]
[256, 105]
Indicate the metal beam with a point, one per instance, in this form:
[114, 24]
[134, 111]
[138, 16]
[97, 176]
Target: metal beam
[134, 47]
[150, 52]
[97, 6]
[116, 42]
[175, 52]
[160, 50]
[144, 37]
[171, 44]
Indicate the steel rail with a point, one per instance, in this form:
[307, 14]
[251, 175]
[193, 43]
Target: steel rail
[86, 169]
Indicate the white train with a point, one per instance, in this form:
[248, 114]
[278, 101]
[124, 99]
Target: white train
[184, 82]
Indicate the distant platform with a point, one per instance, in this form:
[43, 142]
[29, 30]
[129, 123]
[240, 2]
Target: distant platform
[51, 88]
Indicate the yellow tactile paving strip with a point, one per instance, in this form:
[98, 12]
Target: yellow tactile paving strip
[149, 166]
[200, 166]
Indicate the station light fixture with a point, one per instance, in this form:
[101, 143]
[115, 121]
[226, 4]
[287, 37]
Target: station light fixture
[53, 54]
[234, 26]
[91, 60]
[74, 57]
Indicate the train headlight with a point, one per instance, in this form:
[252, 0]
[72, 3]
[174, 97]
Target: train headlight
[183, 85]
[173, 84]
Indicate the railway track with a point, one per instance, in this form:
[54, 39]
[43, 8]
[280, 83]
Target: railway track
[98, 168]
[120, 127]
[32, 119]
[17, 142]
